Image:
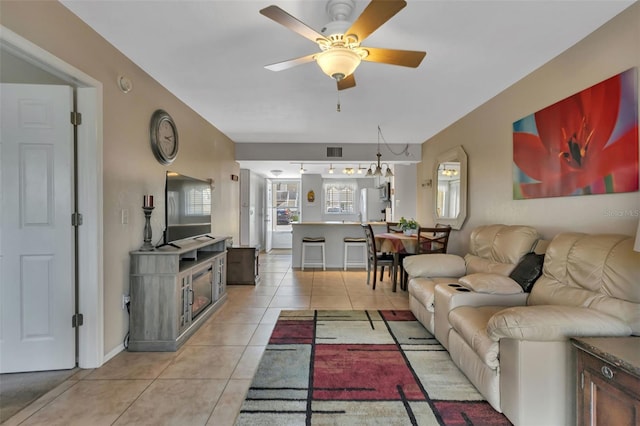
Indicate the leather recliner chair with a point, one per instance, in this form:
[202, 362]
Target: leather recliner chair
[494, 249]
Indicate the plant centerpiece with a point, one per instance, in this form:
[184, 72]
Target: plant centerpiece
[408, 226]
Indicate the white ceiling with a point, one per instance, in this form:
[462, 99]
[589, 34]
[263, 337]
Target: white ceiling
[211, 54]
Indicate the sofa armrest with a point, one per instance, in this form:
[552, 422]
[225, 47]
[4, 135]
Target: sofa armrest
[434, 265]
[483, 282]
[460, 296]
[453, 295]
[553, 322]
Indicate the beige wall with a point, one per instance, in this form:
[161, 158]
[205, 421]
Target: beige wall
[486, 135]
[130, 169]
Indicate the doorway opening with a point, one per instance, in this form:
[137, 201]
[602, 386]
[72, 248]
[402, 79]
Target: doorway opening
[285, 210]
[89, 196]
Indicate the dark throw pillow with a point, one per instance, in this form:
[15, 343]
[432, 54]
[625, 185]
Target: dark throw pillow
[528, 270]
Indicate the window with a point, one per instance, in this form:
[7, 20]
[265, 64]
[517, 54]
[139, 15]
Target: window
[339, 198]
[286, 204]
[198, 200]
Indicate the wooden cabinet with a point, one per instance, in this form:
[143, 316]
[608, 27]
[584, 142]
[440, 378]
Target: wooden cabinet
[173, 291]
[243, 264]
[608, 381]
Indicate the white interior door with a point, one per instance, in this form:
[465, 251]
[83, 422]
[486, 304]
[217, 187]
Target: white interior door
[268, 217]
[36, 236]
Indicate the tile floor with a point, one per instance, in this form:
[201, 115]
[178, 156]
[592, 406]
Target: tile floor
[204, 383]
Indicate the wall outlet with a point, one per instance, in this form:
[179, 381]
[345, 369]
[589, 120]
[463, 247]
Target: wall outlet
[124, 216]
[125, 299]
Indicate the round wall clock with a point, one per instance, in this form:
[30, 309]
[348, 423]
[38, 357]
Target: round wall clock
[164, 137]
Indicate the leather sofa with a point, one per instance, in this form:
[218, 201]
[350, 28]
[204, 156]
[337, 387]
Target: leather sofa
[520, 357]
[495, 249]
[513, 345]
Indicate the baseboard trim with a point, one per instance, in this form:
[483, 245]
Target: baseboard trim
[114, 352]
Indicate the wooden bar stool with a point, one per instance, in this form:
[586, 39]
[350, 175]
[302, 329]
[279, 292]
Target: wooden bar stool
[359, 244]
[313, 242]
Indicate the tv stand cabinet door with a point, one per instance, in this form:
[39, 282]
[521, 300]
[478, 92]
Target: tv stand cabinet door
[153, 315]
[219, 276]
[185, 301]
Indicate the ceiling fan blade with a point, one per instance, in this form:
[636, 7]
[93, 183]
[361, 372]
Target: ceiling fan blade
[285, 65]
[283, 18]
[405, 58]
[374, 15]
[347, 83]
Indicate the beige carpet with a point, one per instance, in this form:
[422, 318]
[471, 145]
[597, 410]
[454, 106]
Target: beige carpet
[18, 390]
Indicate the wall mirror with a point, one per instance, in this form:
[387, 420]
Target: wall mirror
[450, 188]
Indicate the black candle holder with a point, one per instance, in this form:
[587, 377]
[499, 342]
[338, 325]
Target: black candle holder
[147, 246]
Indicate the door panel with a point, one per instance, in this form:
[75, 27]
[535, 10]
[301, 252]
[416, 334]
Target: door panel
[36, 273]
[36, 241]
[36, 164]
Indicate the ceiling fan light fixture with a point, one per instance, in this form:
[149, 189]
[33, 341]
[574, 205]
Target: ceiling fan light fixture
[339, 40]
[338, 62]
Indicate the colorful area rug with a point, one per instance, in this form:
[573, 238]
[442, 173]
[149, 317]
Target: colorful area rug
[359, 368]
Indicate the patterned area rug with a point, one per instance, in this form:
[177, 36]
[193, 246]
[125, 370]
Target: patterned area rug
[360, 368]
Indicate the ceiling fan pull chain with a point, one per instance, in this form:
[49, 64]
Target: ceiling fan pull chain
[338, 106]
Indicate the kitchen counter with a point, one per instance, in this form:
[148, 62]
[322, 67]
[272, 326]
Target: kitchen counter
[334, 233]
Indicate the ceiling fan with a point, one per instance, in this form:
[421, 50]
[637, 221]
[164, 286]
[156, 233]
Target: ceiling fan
[341, 50]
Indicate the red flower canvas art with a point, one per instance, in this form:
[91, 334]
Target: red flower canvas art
[584, 144]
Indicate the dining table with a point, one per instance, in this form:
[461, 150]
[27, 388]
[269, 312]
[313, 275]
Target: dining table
[396, 243]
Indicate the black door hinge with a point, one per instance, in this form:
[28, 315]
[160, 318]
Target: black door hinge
[77, 320]
[76, 219]
[76, 118]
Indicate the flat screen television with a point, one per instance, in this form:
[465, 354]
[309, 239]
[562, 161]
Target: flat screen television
[187, 207]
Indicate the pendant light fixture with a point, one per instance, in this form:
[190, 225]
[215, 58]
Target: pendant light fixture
[378, 167]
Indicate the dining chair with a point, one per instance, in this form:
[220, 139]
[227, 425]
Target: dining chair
[375, 259]
[393, 227]
[430, 240]
[433, 240]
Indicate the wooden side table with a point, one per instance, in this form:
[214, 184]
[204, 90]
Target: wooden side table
[242, 265]
[608, 380]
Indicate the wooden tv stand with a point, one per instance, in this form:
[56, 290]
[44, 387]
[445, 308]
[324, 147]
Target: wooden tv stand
[162, 296]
